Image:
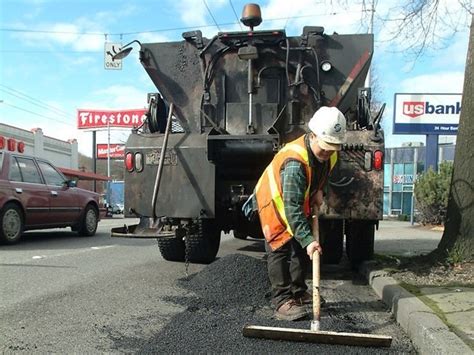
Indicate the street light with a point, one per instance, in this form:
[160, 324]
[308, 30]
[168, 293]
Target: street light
[125, 50]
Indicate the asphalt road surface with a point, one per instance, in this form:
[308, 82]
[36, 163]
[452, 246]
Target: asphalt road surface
[61, 293]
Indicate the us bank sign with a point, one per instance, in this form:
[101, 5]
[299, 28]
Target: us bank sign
[426, 113]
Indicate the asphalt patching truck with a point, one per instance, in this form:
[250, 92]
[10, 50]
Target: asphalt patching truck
[224, 107]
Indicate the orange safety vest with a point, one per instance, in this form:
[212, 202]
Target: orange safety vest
[269, 193]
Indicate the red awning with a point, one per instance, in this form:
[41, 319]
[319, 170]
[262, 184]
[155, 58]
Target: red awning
[83, 175]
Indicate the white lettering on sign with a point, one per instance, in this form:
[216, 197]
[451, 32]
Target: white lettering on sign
[402, 179]
[90, 119]
[116, 151]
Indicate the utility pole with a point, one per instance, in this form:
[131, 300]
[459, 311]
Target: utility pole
[371, 31]
[108, 148]
[94, 158]
[108, 162]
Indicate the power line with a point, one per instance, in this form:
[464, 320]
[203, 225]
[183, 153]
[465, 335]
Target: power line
[34, 101]
[235, 13]
[171, 29]
[30, 101]
[52, 32]
[212, 16]
[37, 114]
[46, 51]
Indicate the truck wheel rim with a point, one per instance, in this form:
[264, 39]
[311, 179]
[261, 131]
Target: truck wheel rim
[11, 224]
[90, 220]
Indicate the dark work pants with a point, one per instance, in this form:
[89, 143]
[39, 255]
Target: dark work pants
[287, 267]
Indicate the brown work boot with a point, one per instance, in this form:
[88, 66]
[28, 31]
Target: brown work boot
[307, 298]
[291, 310]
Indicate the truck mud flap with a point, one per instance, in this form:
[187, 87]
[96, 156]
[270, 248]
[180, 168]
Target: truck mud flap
[138, 231]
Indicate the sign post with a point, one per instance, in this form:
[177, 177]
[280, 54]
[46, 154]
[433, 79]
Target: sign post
[95, 120]
[94, 159]
[415, 176]
[432, 152]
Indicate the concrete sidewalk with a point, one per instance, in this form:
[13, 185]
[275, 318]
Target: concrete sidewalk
[439, 320]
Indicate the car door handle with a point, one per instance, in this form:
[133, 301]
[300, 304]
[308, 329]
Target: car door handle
[54, 193]
[19, 190]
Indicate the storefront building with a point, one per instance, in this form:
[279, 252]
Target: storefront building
[63, 154]
[402, 165]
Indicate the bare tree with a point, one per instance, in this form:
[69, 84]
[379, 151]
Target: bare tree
[429, 24]
[457, 243]
[419, 25]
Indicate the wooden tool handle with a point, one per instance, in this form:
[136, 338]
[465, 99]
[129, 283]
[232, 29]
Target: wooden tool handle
[316, 274]
[316, 295]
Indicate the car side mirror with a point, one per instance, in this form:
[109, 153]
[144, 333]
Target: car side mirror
[71, 183]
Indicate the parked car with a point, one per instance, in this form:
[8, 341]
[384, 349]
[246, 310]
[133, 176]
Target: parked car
[106, 209]
[117, 208]
[34, 194]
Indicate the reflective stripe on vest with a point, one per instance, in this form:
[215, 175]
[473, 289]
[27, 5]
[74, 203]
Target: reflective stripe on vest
[269, 192]
[275, 191]
[277, 198]
[332, 161]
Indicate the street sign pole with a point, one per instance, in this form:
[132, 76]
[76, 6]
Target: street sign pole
[108, 161]
[431, 152]
[94, 159]
[108, 148]
[415, 173]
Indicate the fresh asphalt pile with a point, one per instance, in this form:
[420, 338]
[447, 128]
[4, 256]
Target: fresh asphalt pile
[235, 291]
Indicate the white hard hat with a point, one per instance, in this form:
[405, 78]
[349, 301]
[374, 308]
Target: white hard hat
[329, 125]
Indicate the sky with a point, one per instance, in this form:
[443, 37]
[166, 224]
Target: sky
[52, 53]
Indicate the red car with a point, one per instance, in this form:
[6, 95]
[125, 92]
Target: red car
[35, 195]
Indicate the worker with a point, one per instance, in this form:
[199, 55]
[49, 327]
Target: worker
[289, 186]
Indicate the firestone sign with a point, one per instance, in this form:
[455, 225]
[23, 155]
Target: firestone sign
[102, 119]
[426, 113]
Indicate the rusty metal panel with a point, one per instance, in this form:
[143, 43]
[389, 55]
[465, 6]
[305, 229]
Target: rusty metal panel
[177, 70]
[236, 117]
[355, 192]
[188, 183]
[210, 87]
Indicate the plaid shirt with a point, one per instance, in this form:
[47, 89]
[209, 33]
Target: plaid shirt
[294, 182]
[293, 179]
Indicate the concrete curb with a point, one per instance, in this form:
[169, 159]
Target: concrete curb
[427, 332]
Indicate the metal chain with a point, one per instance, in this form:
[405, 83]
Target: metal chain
[186, 253]
[187, 247]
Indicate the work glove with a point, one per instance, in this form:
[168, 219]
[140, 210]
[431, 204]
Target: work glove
[248, 209]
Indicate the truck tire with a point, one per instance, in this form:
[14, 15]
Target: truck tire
[332, 240]
[360, 242]
[11, 224]
[171, 249]
[203, 244]
[249, 229]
